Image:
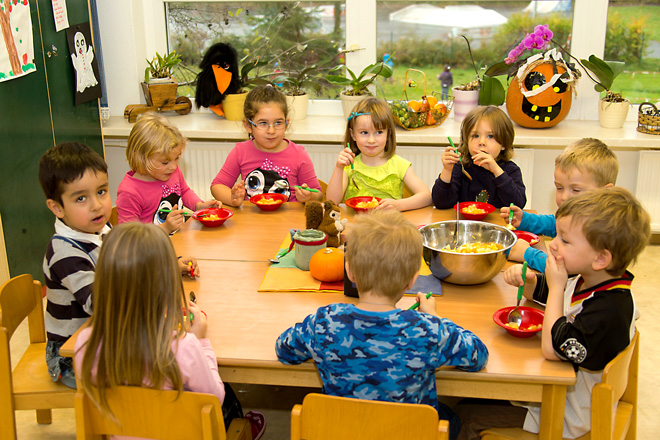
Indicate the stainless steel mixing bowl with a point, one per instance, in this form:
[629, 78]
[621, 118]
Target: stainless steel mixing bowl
[465, 269]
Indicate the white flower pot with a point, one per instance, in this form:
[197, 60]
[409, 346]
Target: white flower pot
[297, 106]
[612, 114]
[464, 101]
[348, 102]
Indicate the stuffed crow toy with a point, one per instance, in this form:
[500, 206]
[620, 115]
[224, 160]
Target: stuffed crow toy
[219, 76]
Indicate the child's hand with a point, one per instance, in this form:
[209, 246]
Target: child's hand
[184, 266]
[388, 204]
[513, 275]
[174, 220]
[517, 215]
[449, 158]
[208, 204]
[517, 252]
[302, 195]
[487, 161]
[345, 158]
[238, 193]
[426, 305]
[199, 325]
[555, 271]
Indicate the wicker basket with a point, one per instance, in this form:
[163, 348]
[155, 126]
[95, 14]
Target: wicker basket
[410, 120]
[648, 118]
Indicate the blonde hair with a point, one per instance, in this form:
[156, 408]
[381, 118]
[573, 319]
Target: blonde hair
[138, 296]
[381, 117]
[501, 125]
[384, 252]
[612, 219]
[152, 134]
[591, 156]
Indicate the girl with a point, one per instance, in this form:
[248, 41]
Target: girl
[487, 143]
[139, 335]
[155, 181]
[371, 162]
[267, 162]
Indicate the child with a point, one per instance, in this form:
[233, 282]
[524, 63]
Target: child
[370, 167]
[74, 179]
[267, 162]
[155, 181]
[485, 150]
[584, 165]
[368, 350]
[140, 334]
[590, 317]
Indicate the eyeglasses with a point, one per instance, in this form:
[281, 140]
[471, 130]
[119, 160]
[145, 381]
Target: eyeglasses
[263, 125]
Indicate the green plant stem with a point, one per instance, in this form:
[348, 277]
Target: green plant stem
[581, 65]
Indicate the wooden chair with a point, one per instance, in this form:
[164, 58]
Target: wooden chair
[331, 417]
[114, 217]
[29, 386]
[145, 412]
[619, 384]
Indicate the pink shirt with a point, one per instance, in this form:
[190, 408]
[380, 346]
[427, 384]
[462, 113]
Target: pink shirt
[196, 359]
[261, 170]
[138, 200]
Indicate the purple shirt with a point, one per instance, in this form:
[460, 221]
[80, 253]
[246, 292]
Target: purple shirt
[265, 172]
[139, 200]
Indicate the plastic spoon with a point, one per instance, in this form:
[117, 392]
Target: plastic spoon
[281, 254]
[510, 226]
[169, 210]
[460, 161]
[514, 315]
[416, 305]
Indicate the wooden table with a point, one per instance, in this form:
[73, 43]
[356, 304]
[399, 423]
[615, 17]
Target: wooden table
[244, 323]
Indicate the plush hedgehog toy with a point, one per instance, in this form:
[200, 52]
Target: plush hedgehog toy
[219, 77]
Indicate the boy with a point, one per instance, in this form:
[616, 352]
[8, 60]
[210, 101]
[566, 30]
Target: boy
[590, 317]
[584, 165]
[373, 350]
[74, 179]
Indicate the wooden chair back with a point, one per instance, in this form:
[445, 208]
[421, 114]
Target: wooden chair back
[29, 385]
[331, 417]
[161, 414]
[613, 402]
[114, 217]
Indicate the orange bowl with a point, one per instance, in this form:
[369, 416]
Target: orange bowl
[530, 316]
[222, 213]
[530, 238]
[486, 207]
[259, 199]
[353, 201]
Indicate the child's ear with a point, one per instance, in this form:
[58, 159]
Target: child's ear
[348, 272]
[602, 260]
[609, 185]
[55, 208]
[352, 135]
[412, 282]
[248, 126]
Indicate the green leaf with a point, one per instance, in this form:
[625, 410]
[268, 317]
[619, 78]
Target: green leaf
[491, 92]
[601, 70]
[498, 69]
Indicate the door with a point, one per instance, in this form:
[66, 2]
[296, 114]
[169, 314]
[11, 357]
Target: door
[37, 112]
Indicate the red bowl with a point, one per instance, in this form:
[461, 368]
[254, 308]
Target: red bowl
[222, 213]
[353, 201]
[530, 238]
[530, 316]
[486, 207]
[279, 198]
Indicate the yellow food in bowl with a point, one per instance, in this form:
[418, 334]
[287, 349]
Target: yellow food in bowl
[474, 248]
[268, 202]
[472, 209]
[211, 217]
[373, 203]
[532, 327]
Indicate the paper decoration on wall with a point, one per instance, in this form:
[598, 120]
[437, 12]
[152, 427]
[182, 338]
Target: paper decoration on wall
[85, 66]
[17, 52]
[60, 15]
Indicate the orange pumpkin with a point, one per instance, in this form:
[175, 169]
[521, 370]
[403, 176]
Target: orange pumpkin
[545, 109]
[327, 265]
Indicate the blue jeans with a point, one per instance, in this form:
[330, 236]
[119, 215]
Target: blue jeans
[60, 368]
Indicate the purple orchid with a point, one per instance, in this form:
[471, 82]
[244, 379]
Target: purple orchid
[539, 39]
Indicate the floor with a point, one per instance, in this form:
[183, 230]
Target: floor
[276, 402]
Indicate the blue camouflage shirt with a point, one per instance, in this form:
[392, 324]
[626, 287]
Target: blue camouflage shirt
[389, 356]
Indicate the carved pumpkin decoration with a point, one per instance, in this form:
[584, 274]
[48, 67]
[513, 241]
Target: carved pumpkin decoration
[327, 265]
[541, 93]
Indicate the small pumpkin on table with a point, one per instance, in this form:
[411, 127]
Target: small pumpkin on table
[327, 264]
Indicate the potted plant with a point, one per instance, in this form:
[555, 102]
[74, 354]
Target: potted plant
[159, 87]
[612, 108]
[357, 85]
[483, 90]
[234, 102]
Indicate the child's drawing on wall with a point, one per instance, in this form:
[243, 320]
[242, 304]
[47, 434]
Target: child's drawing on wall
[17, 52]
[86, 70]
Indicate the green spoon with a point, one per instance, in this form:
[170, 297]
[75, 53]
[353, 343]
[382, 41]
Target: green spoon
[514, 315]
[314, 190]
[416, 305]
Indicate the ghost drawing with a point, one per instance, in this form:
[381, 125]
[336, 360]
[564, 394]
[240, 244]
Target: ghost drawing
[82, 62]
